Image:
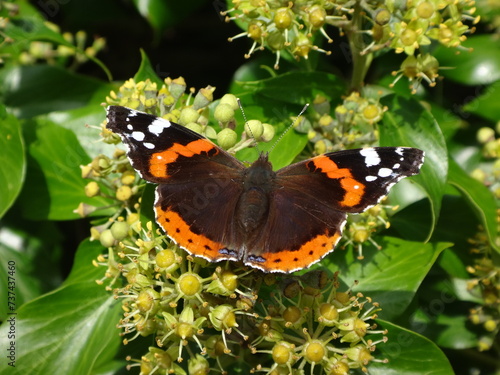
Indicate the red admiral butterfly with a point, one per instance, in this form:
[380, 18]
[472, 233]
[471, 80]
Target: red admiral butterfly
[214, 207]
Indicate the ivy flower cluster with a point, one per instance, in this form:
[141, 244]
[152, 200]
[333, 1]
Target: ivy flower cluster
[294, 27]
[202, 316]
[489, 173]
[486, 282]
[71, 51]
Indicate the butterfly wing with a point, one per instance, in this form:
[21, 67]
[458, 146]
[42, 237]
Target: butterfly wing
[308, 208]
[199, 183]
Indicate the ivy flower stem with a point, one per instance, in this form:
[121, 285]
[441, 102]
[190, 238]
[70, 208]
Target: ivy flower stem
[361, 61]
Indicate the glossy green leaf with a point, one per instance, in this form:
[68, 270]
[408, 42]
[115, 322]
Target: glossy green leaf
[85, 123]
[78, 318]
[408, 353]
[146, 71]
[390, 276]
[36, 249]
[162, 14]
[443, 317]
[479, 197]
[408, 123]
[15, 267]
[54, 187]
[485, 104]
[449, 122]
[477, 67]
[30, 91]
[300, 87]
[12, 160]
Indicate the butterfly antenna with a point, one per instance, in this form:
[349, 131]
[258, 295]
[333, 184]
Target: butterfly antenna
[246, 122]
[289, 127]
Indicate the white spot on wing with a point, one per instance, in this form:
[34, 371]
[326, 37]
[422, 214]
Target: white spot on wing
[384, 172]
[371, 156]
[138, 136]
[157, 126]
[370, 178]
[396, 166]
[130, 127]
[149, 145]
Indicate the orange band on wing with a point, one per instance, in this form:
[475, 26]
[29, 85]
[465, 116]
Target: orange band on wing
[181, 233]
[354, 189]
[309, 253]
[160, 160]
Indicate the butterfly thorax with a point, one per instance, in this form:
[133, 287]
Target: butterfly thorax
[253, 205]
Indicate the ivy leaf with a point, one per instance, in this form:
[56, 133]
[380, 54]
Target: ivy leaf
[391, 276]
[54, 186]
[408, 123]
[12, 160]
[479, 198]
[486, 104]
[146, 71]
[300, 87]
[162, 14]
[409, 353]
[29, 91]
[480, 67]
[72, 319]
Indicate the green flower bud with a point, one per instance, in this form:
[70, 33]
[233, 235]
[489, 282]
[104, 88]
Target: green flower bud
[106, 238]
[425, 10]
[321, 104]
[92, 189]
[119, 230]
[189, 284]
[359, 354]
[314, 351]
[166, 259]
[198, 365]
[123, 193]
[292, 315]
[223, 317]
[283, 18]
[254, 129]
[176, 86]
[224, 113]
[148, 301]
[382, 16]
[128, 178]
[204, 97]
[230, 100]
[187, 115]
[485, 134]
[227, 138]
[317, 16]
[328, 314]
[283, 353]
[197, 128]
[268, 133]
